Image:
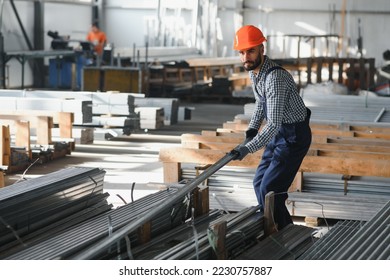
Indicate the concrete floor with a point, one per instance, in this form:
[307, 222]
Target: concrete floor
[134, 159]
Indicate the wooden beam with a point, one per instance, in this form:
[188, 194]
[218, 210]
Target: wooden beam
[172, 172]
[2, 182]
[322, 164]
[22, 136]
[5, 146]
[45, 125]
[66, 124]
[297, 184]
[144, 233]
[218, 231]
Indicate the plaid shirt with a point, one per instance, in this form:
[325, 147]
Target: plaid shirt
[284, 105]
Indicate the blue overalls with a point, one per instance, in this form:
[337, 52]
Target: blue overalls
[280, 162]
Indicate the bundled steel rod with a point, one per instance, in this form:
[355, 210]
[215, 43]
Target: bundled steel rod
[326, 246]
[74, 240]
[371, 242]
[355, 240]
[335, 206]
[287, 243]
[121, 233]
[30, 205]
[243, 228]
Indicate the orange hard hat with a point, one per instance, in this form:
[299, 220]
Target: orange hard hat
[248, 37]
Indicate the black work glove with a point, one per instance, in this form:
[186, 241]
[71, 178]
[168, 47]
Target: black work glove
[250, 134]
[241, 151]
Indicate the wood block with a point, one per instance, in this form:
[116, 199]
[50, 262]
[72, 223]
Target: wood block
[312, 221]
[5, 146]
[2, 183]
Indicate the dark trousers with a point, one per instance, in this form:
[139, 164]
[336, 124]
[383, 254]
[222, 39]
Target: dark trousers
[279, 164]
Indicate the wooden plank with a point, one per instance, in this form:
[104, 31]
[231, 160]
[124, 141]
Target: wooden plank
[201, 201]
[2, 182]
[66, 125]
[332, 133]
[5, 146]
[358, 141]
[44, 130]
[297, 184]
[321, 164]
[22, 136]
[241, 125]
[211, 138]
[144, 233]
[352, 154]
[227, 142]
[219, 231]
[171, 172]
[357, 147]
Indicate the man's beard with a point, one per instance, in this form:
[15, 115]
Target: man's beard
[252, 65]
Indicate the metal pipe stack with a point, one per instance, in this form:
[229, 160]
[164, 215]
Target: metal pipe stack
[27, 207]
[350, 240]
[332, 240]
[243, 230]
[79, 237]
[286, 244]
[334, 206]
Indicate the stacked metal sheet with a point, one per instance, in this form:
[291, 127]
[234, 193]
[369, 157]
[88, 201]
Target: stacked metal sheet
[39, 204]
[355, 240]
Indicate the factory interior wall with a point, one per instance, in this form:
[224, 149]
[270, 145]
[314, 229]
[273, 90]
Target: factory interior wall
[316, 18]
[126, 26]
[69, 19]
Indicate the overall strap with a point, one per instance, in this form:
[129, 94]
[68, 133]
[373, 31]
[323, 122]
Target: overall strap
[264, 99]
[272, 69]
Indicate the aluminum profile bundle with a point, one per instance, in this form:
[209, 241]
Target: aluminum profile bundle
[370, 242]
[355, 240]
[340, 233]
[30, 205]
[286, 244]
[357, 186]
[166, 240]
[95, 206]
[243, 229]
[79, 237]
[334, 206]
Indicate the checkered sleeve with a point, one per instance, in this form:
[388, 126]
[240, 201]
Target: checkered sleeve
[257, 116]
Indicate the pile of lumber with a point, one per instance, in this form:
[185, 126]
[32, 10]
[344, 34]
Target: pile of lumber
[348, 150]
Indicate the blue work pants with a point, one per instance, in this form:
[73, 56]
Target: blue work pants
[280, 162]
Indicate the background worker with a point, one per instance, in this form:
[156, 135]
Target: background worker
[286, 134]
[98, 39]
